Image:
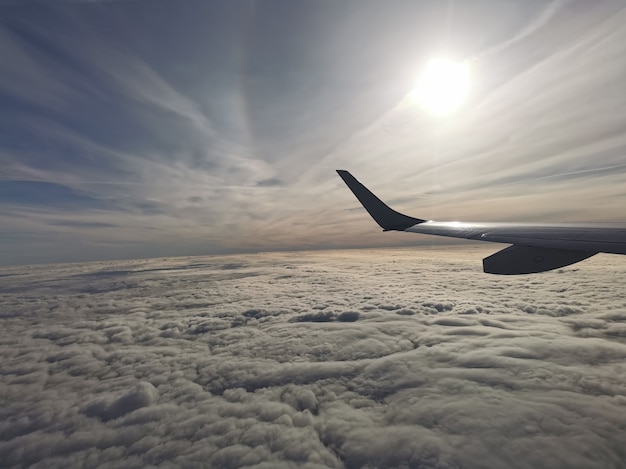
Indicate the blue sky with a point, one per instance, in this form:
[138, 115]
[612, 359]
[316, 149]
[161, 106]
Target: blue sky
[160, 128]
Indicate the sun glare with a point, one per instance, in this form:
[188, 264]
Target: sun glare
[442, 86]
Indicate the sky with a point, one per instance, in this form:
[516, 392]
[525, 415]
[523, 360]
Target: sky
[403, 358]
[157, 128]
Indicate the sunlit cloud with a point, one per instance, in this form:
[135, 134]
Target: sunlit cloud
[339, 359]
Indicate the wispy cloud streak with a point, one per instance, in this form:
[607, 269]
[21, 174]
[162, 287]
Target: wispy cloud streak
[226, 130]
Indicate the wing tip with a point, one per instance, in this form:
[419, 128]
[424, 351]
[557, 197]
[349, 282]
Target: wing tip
[386, 217]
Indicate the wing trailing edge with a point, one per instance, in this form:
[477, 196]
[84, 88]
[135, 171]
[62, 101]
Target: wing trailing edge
[516, 260]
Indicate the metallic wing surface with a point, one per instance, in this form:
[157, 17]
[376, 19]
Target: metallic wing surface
[534, 247]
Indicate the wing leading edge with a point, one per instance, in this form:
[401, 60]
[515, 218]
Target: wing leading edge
[535, 247]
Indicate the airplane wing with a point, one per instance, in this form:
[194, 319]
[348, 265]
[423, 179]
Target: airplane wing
[534, 247]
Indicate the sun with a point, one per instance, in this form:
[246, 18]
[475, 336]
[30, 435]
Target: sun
[443, 86]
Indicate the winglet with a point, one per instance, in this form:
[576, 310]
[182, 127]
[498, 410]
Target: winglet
[386, 217]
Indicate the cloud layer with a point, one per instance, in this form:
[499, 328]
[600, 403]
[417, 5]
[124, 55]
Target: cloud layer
[344, 359]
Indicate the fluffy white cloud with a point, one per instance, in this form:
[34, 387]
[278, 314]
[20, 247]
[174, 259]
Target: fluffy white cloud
[345, 359]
